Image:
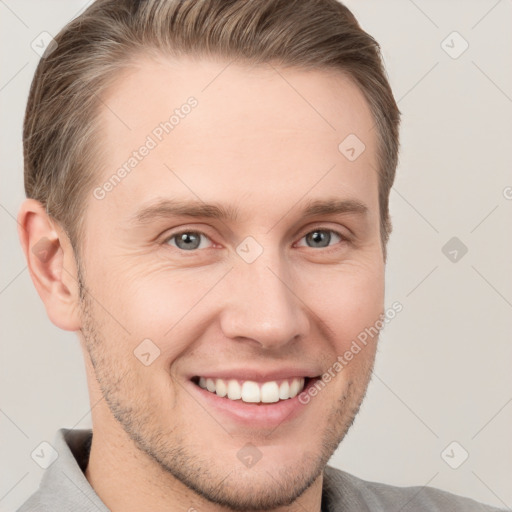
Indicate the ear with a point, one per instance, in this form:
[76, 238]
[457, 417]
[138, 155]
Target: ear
[51, 263]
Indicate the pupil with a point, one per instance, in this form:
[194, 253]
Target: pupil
[319, 236]
[189, 240]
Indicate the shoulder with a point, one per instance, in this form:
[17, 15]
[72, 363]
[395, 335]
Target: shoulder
[343, 491]
[63, 485]
[36, 503]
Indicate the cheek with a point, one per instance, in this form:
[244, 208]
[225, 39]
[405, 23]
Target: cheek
[171, 307]
[350, 301]
[164, 305]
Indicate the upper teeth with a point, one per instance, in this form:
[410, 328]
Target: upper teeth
[250, 391]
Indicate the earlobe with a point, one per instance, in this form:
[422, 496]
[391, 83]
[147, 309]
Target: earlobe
[51, 263]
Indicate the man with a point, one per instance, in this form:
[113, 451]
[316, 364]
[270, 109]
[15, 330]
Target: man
[178, 184]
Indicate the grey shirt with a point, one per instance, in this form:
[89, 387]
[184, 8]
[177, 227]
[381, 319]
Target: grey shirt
[64, 488]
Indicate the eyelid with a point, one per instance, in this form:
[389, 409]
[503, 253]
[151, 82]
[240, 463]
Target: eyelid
[322, 227]
[174, 234]
[344, 239]
[306, 231]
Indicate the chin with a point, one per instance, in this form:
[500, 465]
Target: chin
[265, 486]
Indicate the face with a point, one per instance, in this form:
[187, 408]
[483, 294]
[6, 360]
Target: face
[228, 269]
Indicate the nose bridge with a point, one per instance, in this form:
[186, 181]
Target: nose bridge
[262, 304]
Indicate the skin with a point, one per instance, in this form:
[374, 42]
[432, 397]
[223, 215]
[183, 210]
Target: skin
[254, 143]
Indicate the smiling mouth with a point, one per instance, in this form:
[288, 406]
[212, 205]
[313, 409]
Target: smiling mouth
[254, 392]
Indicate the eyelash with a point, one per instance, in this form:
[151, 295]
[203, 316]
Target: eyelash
[343, 239]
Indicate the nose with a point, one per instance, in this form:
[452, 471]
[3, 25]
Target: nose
[263, 305]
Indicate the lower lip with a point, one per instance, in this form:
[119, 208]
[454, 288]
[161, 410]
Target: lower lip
[260, 415]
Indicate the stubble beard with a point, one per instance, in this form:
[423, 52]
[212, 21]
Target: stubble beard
[206, 474]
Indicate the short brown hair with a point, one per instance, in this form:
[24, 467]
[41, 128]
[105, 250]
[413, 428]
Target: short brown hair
[60, 140]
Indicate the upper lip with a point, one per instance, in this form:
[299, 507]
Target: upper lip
[257, 375]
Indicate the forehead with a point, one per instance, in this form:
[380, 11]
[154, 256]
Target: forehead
[215, 130]
[324, 101]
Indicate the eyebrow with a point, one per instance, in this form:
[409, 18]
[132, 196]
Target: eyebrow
[167, 208]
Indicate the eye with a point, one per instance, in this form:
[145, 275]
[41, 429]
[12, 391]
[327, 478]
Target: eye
[192, 240]
[187, 240]
[321, 238]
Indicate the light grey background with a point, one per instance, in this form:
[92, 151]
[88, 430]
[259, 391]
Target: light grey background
[443, 367]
